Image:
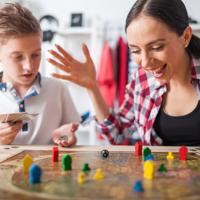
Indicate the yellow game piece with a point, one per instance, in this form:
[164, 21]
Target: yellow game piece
[170, 156]
[99, 175]
[149, 170]
[27, 162]
[81, 178]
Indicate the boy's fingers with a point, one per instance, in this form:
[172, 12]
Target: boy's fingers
[72, 140]
[64, 143]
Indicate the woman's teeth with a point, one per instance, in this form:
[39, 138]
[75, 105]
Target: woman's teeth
[159, 73]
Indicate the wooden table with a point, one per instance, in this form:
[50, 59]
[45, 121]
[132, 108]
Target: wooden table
[15, 154]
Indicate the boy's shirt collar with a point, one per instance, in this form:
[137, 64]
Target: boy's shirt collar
[32, 91]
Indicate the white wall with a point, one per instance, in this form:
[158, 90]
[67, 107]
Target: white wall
[106, 9]
[193, 8]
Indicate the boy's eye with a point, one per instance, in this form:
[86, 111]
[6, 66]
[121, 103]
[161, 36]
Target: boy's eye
[19, 57]
[36, 55]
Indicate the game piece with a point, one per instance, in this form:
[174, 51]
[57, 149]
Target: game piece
[138, 186]
[99, 175]
[27, 162]
[149, 157]
[183, 153]
[146, 151]
[148, 169]
[170, 156]
[105, 153]
[35, 173]
[138, 148]
[66, 162]
[162, 168]
[55, 156]
[81, 178]
[85, 167]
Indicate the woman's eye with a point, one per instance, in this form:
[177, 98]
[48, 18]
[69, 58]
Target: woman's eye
[135, 51]
[158, 48]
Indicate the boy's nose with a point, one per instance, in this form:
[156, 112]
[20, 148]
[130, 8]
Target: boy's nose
[28, 65]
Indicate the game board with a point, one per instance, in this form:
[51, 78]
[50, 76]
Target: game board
[121, 168]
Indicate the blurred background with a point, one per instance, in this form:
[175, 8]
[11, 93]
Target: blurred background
[99, 24]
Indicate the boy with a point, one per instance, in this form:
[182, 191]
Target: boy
[22, 89]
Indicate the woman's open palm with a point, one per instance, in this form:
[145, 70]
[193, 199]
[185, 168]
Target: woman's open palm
[81, 73]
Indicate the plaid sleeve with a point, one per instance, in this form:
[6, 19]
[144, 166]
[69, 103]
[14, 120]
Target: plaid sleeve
[119, 128]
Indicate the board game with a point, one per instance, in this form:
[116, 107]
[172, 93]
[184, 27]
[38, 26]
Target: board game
[121, 168]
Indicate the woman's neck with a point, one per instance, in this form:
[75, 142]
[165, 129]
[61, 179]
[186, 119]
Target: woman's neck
[182, 74]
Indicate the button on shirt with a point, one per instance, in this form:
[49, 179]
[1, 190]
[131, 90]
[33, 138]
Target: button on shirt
[137, 114]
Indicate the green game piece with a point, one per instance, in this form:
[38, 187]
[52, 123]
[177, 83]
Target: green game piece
[162, 168]
[66, 162]
[85, 167]
[146, 151]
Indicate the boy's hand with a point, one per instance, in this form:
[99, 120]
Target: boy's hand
[65, 135]
[8, 132]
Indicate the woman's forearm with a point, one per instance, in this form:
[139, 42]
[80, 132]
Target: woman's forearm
[101, 109]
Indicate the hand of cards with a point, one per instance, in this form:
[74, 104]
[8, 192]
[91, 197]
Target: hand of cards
[15, 117]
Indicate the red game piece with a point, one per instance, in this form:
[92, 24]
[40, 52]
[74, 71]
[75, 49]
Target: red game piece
[183, 153]
[55, 154]
[138, 148]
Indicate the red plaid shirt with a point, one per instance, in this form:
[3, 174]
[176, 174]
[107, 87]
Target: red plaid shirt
[138, 112]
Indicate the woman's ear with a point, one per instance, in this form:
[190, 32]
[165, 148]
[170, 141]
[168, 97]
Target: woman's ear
[187, 35]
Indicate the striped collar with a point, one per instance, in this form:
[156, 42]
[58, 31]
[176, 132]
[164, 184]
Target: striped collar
[32, 91]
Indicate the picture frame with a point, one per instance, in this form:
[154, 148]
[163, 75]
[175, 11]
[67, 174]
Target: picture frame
[76, 20]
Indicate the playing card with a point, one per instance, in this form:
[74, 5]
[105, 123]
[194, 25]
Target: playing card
[15, 117]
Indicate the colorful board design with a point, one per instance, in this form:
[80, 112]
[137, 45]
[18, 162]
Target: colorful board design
[122, 169]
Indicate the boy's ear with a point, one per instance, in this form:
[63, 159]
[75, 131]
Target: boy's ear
[187, 35]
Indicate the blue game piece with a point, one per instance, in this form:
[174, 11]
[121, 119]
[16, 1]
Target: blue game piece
[138, 186]
[35, 173]
[149, 157]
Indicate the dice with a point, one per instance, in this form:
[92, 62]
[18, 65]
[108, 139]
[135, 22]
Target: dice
[104, 153]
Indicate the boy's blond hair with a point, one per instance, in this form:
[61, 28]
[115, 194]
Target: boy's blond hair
[16, 21]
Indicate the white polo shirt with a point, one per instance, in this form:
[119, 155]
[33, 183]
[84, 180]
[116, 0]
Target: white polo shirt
[50, 98]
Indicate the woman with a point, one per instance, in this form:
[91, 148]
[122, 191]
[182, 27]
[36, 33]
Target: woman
[162, 100]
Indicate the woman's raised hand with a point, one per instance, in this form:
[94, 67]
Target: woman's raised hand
[81, 73]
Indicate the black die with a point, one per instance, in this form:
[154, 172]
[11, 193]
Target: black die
[104, 153]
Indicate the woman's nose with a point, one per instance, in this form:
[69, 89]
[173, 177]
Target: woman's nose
[145, 61]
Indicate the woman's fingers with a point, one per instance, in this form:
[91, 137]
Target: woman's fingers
[62, 67]
[65, 54]
[86, 52]
[64, 77]
[62, 59]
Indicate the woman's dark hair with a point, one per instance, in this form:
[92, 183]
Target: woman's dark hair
[171, 12]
